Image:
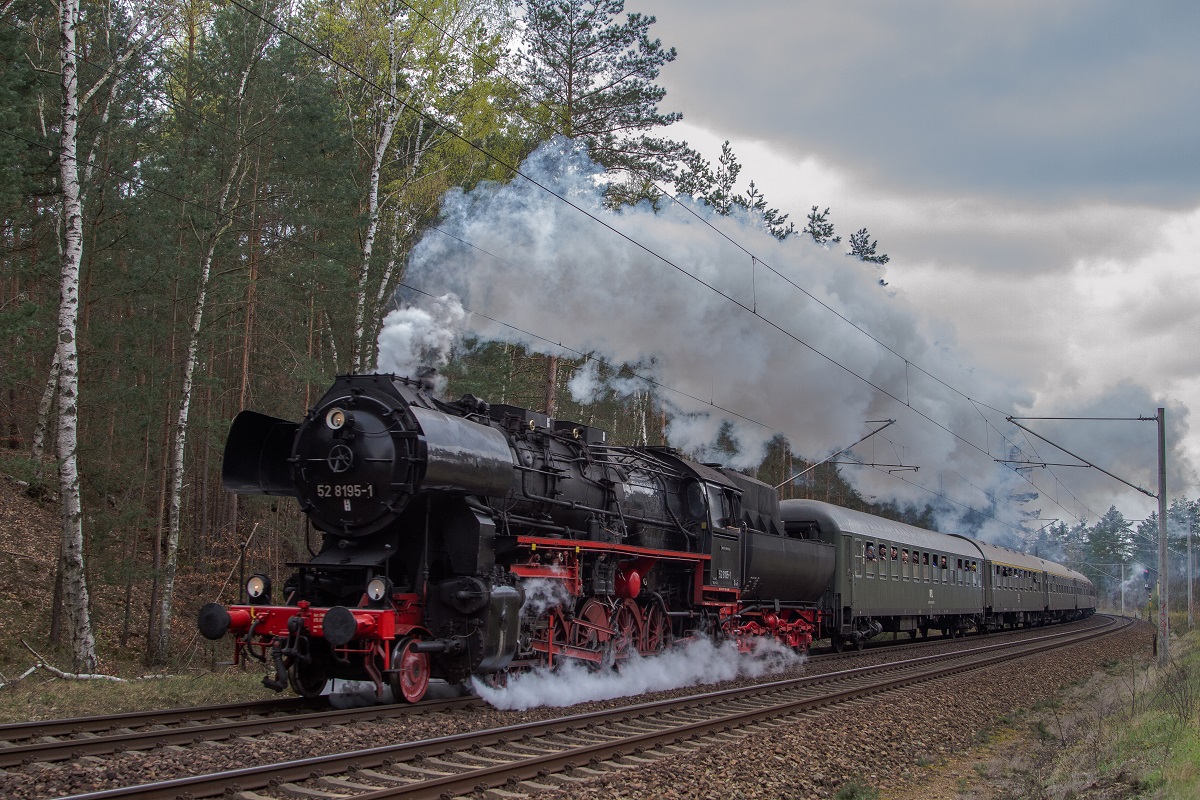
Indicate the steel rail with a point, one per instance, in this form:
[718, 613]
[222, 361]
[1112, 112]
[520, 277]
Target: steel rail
[108, 743]
[17, 731]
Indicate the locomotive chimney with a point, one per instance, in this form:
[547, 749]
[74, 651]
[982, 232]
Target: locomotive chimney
[426, 376]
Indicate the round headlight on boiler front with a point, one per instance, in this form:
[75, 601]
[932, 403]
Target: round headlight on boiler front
[379, 589]
[258, 589]
[335, 419]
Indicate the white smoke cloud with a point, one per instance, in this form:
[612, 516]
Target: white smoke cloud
[585, 384]
[418, 336]
[722, 331]
[542, 595]
[693, 663]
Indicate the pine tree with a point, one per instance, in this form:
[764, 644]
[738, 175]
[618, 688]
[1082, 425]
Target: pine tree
[863, 248]
[773, 220]
[1109, 542]
[820, 228]
[716, 190]
[593, 78]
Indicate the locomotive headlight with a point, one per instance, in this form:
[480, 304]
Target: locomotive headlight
[379, 589]
[258, 589]
[335, 419]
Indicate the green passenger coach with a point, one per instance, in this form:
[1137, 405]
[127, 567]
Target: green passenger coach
[891, 576]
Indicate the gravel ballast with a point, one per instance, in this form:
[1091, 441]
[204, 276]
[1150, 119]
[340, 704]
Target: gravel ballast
[884, 742]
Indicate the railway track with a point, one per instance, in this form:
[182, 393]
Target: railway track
[519, 760]
[60, 740]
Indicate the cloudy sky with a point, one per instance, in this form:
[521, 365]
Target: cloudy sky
[1032, 169]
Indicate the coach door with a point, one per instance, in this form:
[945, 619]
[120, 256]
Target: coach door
[854, 568]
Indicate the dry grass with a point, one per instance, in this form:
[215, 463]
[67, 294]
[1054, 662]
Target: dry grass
[40, 697]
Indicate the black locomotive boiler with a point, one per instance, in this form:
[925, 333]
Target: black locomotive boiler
[440, 520]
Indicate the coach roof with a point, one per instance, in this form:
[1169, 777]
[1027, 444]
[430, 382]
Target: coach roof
[1006, 556]
[835, 519]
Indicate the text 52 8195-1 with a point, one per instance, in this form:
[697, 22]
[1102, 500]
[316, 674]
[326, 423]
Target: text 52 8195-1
[350, 490]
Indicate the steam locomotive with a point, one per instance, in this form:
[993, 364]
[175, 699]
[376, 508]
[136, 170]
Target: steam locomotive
[465, 538]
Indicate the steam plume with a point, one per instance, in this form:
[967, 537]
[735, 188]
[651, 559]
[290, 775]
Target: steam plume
[694, 663]
[715, 325]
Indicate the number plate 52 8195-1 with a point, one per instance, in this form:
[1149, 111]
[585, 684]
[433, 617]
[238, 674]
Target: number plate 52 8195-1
[346, 490]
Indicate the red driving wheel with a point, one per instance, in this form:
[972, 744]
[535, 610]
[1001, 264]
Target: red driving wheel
[410, 677]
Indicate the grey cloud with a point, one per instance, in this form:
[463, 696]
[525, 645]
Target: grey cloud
[979, 238]
[1068, 100]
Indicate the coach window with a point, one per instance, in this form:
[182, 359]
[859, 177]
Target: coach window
[936, 575]
[858, 558]
[870, 558]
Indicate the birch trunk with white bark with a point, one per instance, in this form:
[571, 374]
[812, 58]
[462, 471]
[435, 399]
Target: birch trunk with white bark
[390, 107]
[234, 177]
[45, 407]
[75, 592]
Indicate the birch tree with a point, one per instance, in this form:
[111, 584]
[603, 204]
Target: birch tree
[258, 36]
[125, 31]
[75, 590]
[388, 107]
[399, 77]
